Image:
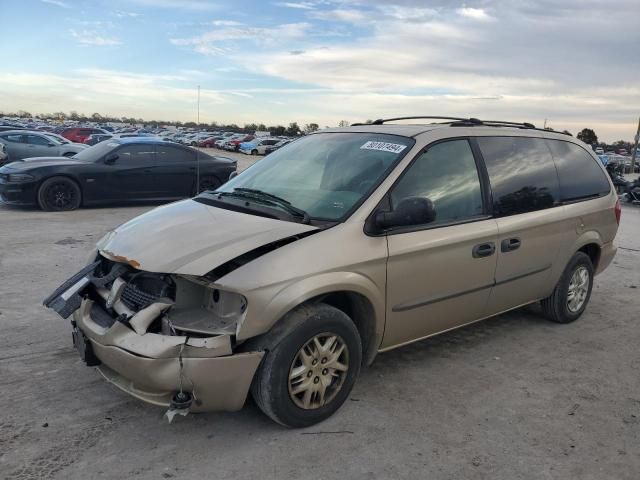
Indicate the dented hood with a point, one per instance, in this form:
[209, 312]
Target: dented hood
[191, 238]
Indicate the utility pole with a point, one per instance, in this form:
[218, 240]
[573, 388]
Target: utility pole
[198, 150]
[635, 150]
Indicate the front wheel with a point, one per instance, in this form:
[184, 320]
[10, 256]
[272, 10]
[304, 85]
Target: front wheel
[59, 194]
[254, 152]
[310, 367]
[571, 295]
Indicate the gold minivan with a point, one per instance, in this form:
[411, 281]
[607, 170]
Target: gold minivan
[294, 274]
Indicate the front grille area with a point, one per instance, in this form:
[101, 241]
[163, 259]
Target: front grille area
[136, 299]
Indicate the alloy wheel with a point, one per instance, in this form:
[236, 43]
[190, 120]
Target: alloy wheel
[318, 371]
[578, 289]
[60, 195]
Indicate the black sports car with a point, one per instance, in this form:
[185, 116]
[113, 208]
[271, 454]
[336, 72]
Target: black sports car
[122, 170]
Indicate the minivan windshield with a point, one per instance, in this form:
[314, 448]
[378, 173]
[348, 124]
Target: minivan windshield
[325, 175]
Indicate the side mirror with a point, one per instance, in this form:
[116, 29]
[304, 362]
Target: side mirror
[51, 144]
[233, 174]
[111, 158]
[410, 211]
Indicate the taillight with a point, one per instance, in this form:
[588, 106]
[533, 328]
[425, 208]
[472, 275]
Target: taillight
[618, 211]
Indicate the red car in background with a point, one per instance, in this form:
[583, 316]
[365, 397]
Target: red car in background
[80, 134]
[209, 142]
[234, 145]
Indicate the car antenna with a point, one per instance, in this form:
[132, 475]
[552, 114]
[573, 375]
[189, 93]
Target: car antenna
[198, 150]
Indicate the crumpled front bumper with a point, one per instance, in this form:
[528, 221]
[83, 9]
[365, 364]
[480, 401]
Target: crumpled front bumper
[149, 368]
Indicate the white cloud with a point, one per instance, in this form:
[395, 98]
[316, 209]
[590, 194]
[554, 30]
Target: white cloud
[179, 4]
[123, 14]
[209, 43]
[108, 92]
[474, 14]
[340, 15]
[90, 37]
[298, 5]
[408, 13]
[225, 23]
[57, 3]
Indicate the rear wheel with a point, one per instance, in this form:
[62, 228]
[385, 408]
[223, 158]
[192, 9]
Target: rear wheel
[59, 194]
[309, 368]
[571, 295]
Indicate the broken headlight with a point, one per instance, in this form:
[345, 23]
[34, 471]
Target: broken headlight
[202, 308]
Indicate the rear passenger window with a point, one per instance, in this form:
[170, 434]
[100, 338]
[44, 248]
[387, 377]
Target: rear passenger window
[522, 174]
[447, 175]
[172, 154]
[580, 175]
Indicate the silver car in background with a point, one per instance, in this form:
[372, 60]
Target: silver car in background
[21, 144]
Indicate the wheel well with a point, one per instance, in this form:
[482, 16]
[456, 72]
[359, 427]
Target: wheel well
[593, 251]
[360, 310]
[68, 177]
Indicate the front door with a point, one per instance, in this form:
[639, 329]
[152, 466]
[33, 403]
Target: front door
[439, 275]
[133, 174]
[39, 146]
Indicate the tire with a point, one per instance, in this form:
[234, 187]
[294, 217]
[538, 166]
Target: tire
[58, 194]
[208, 183]
[68, 154]
[557, 306]
[254, 152]
[272, 389]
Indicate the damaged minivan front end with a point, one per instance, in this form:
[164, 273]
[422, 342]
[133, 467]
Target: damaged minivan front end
[165, 335]
[154, 335]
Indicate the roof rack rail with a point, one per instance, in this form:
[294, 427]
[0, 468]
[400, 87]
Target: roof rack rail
[380, 121]
[462, 122]
[514, 124]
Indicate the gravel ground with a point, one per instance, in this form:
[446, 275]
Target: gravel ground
[513, 397]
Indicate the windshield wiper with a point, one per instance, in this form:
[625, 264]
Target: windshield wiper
[267, 197]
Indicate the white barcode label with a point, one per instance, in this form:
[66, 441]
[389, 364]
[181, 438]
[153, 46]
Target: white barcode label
[383, 147]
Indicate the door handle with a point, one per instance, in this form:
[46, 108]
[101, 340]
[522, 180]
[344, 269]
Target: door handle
[510, 244]
[483, 250]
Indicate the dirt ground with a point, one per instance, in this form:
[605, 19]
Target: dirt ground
[513, 397]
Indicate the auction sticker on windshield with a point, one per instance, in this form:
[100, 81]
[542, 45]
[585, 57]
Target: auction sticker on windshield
[383, 147]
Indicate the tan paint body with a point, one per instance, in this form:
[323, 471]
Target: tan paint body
[418, 284]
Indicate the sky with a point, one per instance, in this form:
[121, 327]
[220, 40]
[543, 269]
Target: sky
[575, 63]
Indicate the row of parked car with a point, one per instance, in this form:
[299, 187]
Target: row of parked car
[19, 141]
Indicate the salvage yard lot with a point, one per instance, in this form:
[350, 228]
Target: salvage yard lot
[508, 398]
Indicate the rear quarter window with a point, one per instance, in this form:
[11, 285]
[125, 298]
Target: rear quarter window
[522, 174]
[580, 175]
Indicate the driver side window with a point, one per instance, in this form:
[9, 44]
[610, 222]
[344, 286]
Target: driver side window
[447, 175]
[37, 140]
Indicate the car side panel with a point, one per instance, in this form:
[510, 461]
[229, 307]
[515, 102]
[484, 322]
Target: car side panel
[525, 274]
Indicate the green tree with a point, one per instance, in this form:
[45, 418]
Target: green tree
[311, 127]
[293, 130]
[343, 123]
[277, 131]
[588, 136]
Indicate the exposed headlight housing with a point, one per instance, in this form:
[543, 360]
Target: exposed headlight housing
[203, 308]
